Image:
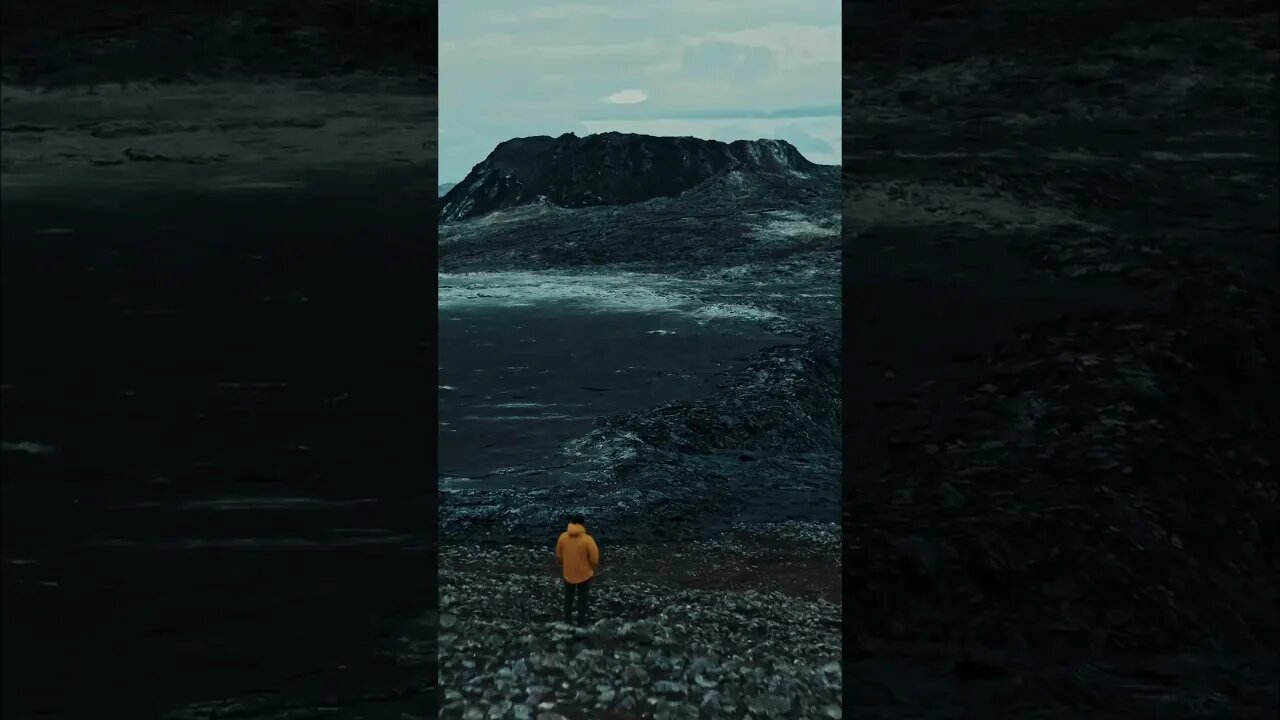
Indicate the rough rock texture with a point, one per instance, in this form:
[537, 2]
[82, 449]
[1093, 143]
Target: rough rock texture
[606, 169]
[1060, 252]
[766, 442]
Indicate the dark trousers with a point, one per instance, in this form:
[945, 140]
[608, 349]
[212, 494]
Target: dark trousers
[580, 592]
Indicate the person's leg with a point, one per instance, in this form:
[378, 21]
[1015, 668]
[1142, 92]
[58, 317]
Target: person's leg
[583, 588]
[568, 601]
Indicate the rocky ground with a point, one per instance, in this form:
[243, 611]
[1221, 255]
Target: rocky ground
[743, 625]
[1059, 245]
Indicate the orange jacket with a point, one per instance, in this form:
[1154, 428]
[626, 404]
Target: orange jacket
[577, 553]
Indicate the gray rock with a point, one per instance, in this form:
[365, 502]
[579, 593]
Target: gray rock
[668, 687]
[768, 705]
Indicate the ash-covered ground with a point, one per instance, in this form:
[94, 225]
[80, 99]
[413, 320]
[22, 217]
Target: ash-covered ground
[1060, 251]
[716, 512]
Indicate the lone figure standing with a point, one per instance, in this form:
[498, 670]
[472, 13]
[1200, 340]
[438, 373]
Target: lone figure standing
[578, 556]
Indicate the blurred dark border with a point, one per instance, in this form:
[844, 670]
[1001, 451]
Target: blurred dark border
[65, 42]
[376, 278]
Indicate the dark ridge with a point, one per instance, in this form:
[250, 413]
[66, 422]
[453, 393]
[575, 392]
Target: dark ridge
[606, 169]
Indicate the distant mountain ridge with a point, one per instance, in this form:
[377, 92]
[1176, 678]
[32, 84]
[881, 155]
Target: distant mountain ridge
[444, 188]
[607, 169]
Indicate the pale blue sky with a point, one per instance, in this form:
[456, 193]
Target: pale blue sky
[718, 69]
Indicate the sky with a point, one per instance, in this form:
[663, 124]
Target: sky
[717, 69]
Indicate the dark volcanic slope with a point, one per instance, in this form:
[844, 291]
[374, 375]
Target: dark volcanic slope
[606, 169]
[762, 241]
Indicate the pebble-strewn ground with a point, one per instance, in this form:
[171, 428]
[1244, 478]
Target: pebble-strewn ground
[745, 625]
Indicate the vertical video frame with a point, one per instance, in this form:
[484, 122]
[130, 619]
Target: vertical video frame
[639, 370]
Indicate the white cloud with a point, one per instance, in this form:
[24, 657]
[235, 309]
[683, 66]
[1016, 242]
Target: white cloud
[499, 46]
[792, 11]
[573, 11]
[670, 66]
[627, 97]
[794, 46]
[628, 10]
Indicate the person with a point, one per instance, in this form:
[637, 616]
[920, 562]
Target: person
[578, 555]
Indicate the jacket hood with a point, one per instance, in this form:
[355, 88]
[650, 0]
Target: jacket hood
[575, 530]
